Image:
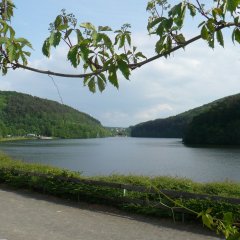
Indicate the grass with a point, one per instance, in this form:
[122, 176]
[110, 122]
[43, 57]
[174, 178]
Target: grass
[225, 189]
[9, 139]
[75, 191]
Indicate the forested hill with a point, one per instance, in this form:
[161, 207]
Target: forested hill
[171, 127]
[22, 114]
[176, 126]
[220, 125]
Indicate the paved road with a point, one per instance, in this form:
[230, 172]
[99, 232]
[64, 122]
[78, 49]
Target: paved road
[31, 216]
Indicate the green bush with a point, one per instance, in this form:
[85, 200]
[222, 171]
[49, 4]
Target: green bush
[55, 181]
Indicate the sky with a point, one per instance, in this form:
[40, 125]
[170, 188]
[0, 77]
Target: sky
[165, 87]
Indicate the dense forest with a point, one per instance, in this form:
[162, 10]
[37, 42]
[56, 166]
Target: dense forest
[22, 114]
[171, 127]
[220, 125]
[214, 123]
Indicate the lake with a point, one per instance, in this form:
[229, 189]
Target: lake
[123, 155]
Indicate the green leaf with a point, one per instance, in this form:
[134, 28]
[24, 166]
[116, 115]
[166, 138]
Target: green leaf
[58, 21]
[27, 53]
[140, 55]
[117, 38]
[104, 28]
[180, 38]
[112, 76]
[228, 218]
[179, 21]
[176, 10]
[79, 35]
[46, 48]
[4, 70]
[103, 54]
[220, 38]
[123, 66]
[24, 42]
[160, 45]
[85, 80]
[68, 33]
[92, 85]
[122, 41]
[160, 29]
[178, 14]
[210, 25]
[168, 23]
[237, 35]
[150, 5]
[154, 22]
[103, 77]
[51, 38]
[101, 84]
[204, 33]
[95, 37]
[217, 11]
[11, 52]
[12, 32]
[73, 56]
[211, 41]
[207, 220]
[107, 41]
[128, 39]
[88, 26]
[232, 5]
[62, 27]
[84, 52]
[55, 38]
[24, 60]
[233, 35]
[236, 20]
[169, 43]
[108, 63]
[192, 9]
[3, 40]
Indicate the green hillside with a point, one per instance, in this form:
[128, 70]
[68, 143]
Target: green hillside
[22, 114]
[171, 127]
[220, 125]
[194, 125]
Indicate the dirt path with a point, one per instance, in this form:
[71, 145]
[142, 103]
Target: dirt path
[31, 216]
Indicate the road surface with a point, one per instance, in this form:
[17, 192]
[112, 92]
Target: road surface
[31, 216]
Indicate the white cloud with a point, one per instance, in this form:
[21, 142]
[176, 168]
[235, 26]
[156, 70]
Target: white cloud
[113, 118]
[153, 112]
[159, 89]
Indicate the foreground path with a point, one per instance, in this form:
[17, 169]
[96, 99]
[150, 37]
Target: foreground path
[31, 216]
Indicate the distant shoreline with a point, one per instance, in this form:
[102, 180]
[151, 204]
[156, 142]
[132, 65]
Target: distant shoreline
[9, 139]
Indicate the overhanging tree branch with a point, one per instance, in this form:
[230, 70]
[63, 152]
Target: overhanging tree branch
[101, 59]
[131, 66]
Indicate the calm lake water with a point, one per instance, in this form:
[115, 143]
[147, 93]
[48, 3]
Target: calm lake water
[141, 156]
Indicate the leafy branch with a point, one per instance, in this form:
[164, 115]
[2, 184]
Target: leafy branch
[225, 226]
[102, 53]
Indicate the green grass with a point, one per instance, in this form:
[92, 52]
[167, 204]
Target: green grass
[225, 189]
[9, 139]
[9, 175]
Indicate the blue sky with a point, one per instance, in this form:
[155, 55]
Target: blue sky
[163, 88]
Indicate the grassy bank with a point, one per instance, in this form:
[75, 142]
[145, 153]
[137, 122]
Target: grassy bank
[10, 139]
[20, 175]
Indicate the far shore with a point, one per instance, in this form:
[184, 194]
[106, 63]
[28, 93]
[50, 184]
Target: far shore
[21, 138]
